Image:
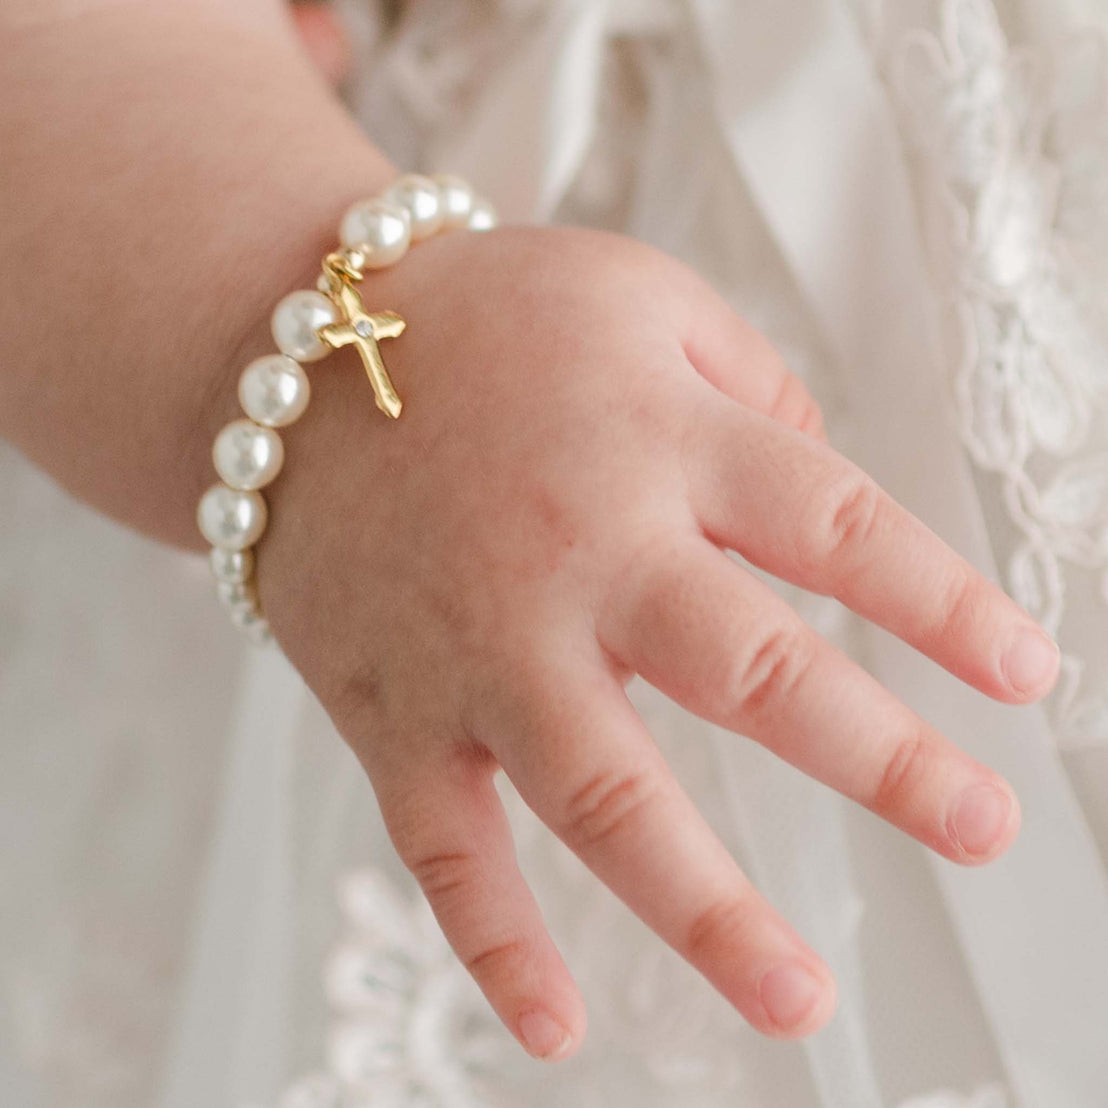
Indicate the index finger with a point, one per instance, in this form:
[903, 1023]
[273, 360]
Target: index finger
[798, 509]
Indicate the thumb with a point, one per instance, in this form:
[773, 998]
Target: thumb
[323, 37]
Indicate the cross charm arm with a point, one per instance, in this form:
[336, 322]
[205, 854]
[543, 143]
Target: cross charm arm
[362, 330]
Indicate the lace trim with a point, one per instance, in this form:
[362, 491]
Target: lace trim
[1013, 171]
[410, 1028]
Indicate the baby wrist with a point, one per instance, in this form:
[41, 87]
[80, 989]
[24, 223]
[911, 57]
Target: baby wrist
[307, 325]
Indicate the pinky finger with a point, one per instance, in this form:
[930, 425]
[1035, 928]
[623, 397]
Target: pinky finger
[449, 827]
[743, 364]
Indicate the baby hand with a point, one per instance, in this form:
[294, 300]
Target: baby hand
[586, 427]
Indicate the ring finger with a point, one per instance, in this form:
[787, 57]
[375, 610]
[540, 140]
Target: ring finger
[705, 631]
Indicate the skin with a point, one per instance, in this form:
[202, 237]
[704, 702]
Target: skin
[587, 429]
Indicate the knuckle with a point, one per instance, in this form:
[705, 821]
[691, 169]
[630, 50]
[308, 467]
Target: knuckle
[444, 873]
[607, 802]
[721, 925]
[771, 673]
[903, 775]
[500, 961]
[846, 522]
[960, 607]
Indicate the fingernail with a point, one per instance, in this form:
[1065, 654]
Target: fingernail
[1031, 659]
[543, 1036]
[980, 816]
[789, 993]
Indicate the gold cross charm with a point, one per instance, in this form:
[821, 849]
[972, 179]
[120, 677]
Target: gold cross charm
[362, 330]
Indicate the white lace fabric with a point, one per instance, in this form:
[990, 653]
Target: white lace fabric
[1012, 167]
[411, 1030]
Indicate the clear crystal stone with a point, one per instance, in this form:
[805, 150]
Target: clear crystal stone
[364, 328]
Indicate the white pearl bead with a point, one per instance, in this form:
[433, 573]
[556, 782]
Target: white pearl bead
[231, 565]
[420, 197]
[296, 319]
[230, 517]
[383, 228]
[246, 455]
[457, 199]
[252, 623]
[482, 217]
[274, 390]
[237, 594]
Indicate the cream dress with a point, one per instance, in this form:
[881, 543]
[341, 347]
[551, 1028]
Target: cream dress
[198, 905]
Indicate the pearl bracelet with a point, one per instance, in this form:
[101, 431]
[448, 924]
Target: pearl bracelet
[307, 325]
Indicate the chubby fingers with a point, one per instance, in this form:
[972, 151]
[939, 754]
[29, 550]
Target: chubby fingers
[708, 633]
[581, 757]
[800, 510]
[449, 827]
